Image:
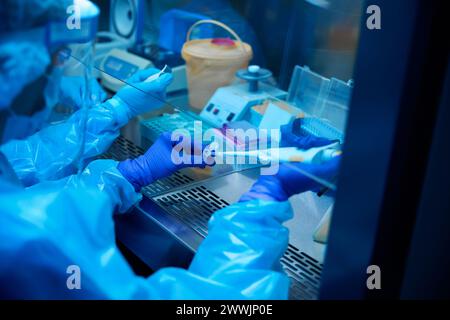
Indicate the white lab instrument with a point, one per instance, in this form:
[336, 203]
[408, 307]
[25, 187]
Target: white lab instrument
[231, 103]
[107, 41]
[125, 28]
[126, 19]
[119, 65]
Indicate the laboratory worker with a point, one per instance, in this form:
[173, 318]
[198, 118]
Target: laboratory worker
[57, 236]
[37, 50]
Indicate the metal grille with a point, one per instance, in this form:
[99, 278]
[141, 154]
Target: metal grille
[304, 272]
[162, 185]
[194, 206]
[122, 149]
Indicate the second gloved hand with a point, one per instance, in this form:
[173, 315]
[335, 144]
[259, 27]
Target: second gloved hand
[295, 177]
[140, 96]
[158, 163]
[292, 136]
[292, 178]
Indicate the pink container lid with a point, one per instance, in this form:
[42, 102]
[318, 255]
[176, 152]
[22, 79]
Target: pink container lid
[223, 42]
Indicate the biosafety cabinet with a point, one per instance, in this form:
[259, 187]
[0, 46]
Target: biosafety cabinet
[371, 76]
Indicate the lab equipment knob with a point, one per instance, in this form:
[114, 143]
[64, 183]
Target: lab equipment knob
[253, 69]
[253, 74]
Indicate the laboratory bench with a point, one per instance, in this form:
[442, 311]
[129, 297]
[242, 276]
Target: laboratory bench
[167, 226]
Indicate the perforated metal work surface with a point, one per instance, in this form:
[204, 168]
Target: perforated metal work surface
[193, 205]
[164, 185]
[122, 149]
[304, 272]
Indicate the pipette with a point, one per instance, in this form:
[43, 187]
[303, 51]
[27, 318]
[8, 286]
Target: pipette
[290, 154]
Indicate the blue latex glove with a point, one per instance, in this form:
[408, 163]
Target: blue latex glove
[71, 88]
[292, 136]
[140, 96]
[291, 180]
[157, 162]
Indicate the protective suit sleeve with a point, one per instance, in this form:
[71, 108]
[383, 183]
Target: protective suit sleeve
[58, 227]
[104, 175]
[239, 259]
[55, 230]
[50, 153]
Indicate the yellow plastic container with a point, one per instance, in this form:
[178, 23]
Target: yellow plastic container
[212, 63]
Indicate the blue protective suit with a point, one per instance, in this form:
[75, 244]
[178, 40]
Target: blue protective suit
[48, 227]
[54, 224]
[50, 153]
[54, 152]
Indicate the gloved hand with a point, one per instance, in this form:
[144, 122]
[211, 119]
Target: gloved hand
[292, 136]
[292, 178]
[158, 162]
[140, 96]
[71, 88]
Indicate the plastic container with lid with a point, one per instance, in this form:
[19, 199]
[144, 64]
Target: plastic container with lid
[212, 63]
